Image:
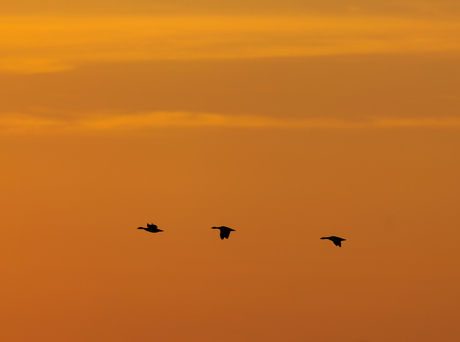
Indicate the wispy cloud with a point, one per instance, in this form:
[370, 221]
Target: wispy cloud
[12, 124]
[46, 44]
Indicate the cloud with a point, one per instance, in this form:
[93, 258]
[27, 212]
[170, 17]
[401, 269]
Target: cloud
[49, 44]
[12, 124]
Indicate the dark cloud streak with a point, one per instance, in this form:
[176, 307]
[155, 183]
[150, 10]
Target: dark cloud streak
[337, 87]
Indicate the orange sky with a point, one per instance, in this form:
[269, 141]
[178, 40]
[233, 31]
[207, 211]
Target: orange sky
[287, 121]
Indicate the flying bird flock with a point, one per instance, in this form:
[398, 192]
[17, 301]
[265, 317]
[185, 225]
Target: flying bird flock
[225, 233]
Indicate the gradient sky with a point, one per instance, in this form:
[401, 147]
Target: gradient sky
[285, 120]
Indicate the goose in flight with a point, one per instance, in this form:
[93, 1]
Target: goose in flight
[224, 231]
[152, 228]
[335, 239]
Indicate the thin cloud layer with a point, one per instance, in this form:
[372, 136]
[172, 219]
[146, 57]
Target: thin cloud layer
[12, 124]
[50, 44]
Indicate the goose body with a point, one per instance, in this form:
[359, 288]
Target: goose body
[224, 231]
[335, 239]
[151, 228]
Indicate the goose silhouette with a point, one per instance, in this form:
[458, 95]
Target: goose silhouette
[151, 228]
[224, 231]
[335, 239]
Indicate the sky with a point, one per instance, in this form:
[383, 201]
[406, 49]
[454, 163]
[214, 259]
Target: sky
[284, 120]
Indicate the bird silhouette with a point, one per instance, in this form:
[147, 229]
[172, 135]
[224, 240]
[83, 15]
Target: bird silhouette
[224, 231]
[335, 239]
[152, 228]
